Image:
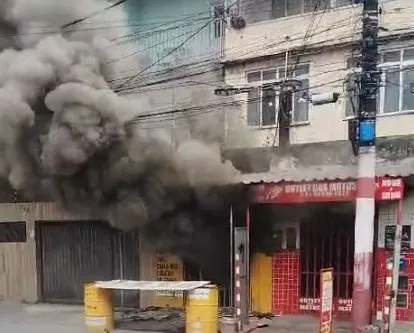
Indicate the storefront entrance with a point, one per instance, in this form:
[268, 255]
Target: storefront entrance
[304, 227]
[326, 240]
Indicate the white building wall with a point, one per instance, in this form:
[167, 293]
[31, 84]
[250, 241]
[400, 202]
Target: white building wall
[336, 25]
[326, 122]
[327, 73]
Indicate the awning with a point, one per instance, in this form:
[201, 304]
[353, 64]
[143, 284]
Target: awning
[320, 161]
[401, 168]
[151, 285]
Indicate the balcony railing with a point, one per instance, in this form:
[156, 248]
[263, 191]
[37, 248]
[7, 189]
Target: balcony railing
[180, 44]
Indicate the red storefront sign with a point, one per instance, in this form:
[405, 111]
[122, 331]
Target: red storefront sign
[387, 189]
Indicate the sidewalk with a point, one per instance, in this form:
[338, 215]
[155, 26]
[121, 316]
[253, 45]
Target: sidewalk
[45, 318]
[309, 324]
[42, 318]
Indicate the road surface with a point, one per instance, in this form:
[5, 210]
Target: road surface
[19, 318]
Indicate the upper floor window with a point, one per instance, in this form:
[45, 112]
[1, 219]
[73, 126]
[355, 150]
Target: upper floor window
[262, 106]
[396, 93]
[284, 8]
[218, 13]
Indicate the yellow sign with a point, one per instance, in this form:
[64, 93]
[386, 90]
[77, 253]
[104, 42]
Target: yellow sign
[326, 301]
[168, 268]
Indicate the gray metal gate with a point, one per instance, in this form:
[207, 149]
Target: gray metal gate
[75, 252]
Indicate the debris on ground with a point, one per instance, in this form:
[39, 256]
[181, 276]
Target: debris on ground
[153, 319]
[172, 320]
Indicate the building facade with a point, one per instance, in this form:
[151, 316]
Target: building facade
[311, 223]
[46, 254]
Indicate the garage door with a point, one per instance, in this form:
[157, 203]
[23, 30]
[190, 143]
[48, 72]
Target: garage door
[74, 253]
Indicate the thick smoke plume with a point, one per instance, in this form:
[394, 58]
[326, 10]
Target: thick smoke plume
[62, 126]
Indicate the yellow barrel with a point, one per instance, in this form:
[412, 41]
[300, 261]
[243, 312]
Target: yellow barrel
[202, 310]
[99, 309]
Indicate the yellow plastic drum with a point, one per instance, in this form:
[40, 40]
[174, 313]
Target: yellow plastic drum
[99, 309]
[202, 310]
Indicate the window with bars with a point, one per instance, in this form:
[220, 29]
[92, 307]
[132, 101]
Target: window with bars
[218, 13]
[262, 106]
[396, 93]
[285, 8]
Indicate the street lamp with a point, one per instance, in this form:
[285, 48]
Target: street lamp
[231, 91]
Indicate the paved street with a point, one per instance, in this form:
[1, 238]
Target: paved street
[18, 318]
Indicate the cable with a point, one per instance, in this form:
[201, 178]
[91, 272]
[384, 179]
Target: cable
[272, 44]
[169, 53]
[170, 79]
[168, 111]
[294, 68]
[162, 58]
[116, 4]
[147, 48]
[204, 62]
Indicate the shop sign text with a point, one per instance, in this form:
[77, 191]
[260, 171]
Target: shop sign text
[387, 189]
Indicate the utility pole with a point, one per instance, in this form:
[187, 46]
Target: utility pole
[284, 117]
[365, 200]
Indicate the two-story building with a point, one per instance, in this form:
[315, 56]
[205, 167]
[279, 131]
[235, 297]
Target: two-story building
[302, 210]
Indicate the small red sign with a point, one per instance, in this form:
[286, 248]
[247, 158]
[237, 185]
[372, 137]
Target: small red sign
[387, 189]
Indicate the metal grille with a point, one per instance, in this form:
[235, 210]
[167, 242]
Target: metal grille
[327, 241]
[74, 253]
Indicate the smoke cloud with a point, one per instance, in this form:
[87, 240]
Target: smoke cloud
[62, 126]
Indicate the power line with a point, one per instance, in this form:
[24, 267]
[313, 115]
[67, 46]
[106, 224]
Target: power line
[162, 58]
[116, 4]
[130, 89]
[169, 53]
[205, 63]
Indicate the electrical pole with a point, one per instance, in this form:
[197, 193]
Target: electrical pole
[284, 117]
[365, 200]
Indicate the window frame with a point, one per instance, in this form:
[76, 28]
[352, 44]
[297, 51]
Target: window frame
[261, 82]
[219, 23]
[332, 5]
[13, 232]
[401, 64]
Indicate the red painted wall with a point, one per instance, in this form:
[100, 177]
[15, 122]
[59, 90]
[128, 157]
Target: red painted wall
[286, 285]
[381, 258]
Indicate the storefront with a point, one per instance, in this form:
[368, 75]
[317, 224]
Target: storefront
[299, 228]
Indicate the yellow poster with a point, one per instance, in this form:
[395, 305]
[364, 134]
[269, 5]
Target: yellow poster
[326, 301]
[168, 268]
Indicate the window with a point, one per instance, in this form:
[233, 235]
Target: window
[291, 238]
[219, 21]
[284, 8]
[396, 93]
[402, 300]
[262, 106]
[277, 240]
[12, 232]
[398, 81]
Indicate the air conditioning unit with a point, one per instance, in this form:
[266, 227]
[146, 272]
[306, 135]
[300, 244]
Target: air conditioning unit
[237, 22]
